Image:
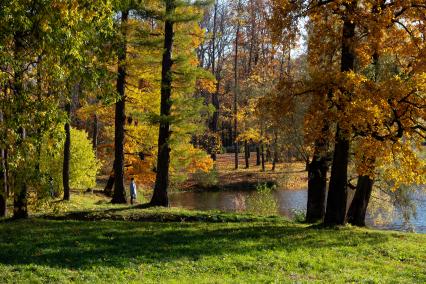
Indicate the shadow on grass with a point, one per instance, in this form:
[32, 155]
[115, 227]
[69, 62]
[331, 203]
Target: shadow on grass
[79, 244]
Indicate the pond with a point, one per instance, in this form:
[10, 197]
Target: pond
[291, 204]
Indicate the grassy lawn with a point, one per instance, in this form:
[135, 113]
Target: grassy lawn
[174, 245]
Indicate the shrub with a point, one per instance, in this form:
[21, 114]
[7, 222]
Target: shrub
[206, 179]
[83, 163]
[262, 201]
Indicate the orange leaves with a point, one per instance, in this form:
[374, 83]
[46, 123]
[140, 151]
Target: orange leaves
[207, 85]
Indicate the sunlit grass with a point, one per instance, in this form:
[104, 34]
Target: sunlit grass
[124, 244]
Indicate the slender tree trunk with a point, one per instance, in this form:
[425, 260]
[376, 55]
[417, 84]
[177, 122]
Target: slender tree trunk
[20, 195]
[338, 191]
[95, 135]
[274, 161]
[230, 135]
[20, 208]
[257, 155]
[236, 88]
[223, 133]
[160, 196]
[246, 155]
[215, 95]
[262, 154]
[119, 194]
[67, 154]
[3, 189]
[3, 179]
[275, 154]
[358, 207]
[6, 172]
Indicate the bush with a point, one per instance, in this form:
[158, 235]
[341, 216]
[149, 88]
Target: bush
[83, 163]
[262, 201]
[206, 179]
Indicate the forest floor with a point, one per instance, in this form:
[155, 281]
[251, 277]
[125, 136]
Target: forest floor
[89, 240]
[291, 175]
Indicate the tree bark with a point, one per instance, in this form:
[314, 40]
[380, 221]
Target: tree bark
[3, 179]
[215, 96]
[275, 154]
[257, 155]
[6, 172]
[317, 184]
[358, 207]
[67, 154]
[3, 192]
[20, 208]
[246, 154]
[20, 197]
[109, 185]
[95, 135]
[237, 36]
[338, 191]
[160, 196]
[119, 194]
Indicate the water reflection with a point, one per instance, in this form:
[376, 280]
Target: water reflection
[288, 203]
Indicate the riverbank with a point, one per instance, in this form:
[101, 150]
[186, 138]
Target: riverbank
[184, 246]
[286, 175]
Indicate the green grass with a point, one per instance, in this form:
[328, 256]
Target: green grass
[200, 247]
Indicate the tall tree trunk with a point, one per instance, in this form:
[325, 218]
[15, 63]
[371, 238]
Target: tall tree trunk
[215, 95]
[67, 154]
[317, 181]
[236, 88]
[257, 155]
[223, 134]
[262, 154]
[358, 207]
[6, 172]
[109, 185]
[160, 196]
[274, 161]
[275, 154]
[3, 179]
[246, 154]
[119, 194]
[95, 135]
[20, 208]
[338, 191]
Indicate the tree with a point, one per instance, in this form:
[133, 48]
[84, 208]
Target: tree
[357, 107]
[175, 12]
[37, 43]
[3, 178]
[119, 194]
[160, 197]
[67, 154]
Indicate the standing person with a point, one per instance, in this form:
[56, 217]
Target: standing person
[133, 192]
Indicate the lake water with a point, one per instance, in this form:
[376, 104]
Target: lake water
[290, 203]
